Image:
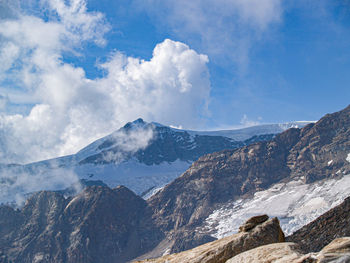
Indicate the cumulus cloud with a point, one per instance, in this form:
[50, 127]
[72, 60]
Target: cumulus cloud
[224, 29]
[67, 110]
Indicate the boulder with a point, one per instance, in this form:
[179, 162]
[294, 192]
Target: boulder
[219, 251]
[338, 251]
[253, 222]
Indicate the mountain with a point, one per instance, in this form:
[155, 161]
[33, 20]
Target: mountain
[142, 156]
[296, 175]
[315, 158]
[98, 225]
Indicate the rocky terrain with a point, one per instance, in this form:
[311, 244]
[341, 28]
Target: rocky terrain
[259, 241]
[317, 151]
[115, 225]
[338, 251]
[98, 225]
[255, 232]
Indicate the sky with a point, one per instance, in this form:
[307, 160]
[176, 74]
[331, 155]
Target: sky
[73, 71]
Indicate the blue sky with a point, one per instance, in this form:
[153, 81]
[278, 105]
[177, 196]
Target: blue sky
[296, 68]
[75, 70]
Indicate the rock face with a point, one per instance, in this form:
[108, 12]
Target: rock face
[221, 250]
[278, 252]
[338, 251]
[253, 222]
[315, 152]
[98, 225]
[331, 225]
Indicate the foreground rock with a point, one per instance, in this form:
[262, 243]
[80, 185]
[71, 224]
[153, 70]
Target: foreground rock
[221, 250]
[338, 251]
[279, 252]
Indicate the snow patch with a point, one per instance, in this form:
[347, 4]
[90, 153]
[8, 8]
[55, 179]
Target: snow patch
[348, 158]
[136, 176]
[152, 192]
[294, 203]
[330, 162]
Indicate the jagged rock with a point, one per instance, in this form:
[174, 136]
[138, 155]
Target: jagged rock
[338, 251]
[253, 222]
[279, 252]
[98, 225]
[221, 250]
[332, 224]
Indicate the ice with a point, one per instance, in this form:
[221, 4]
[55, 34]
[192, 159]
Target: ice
[294, 203]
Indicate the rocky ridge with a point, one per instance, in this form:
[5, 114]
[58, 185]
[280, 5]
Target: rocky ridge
[261, 232]
[317, 151]
[98, 225]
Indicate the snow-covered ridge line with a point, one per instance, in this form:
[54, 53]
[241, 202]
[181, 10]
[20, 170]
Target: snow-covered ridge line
[242, 134]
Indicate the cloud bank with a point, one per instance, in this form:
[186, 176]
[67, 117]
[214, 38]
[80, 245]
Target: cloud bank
[49, 108]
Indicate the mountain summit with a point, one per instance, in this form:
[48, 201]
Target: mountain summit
[142, 156]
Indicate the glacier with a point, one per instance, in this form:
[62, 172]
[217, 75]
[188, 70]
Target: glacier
[294, 203]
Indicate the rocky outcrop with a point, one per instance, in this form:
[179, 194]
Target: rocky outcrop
[253, 222]
[98, 225]
[333, 224]
[221, 250]
[337, 251]
[278, 252]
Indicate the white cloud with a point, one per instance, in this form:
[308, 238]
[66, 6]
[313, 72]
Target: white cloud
[16, 184]
[129, 142]
[71, 110]
[224, 29]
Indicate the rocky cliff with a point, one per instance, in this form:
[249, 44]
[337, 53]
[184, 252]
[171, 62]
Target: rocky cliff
[98, 225]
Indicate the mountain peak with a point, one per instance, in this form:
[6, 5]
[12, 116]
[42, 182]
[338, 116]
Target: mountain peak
[136, 123]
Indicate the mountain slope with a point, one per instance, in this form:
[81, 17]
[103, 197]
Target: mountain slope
[98, 225]
[315, 152]
[101, 224]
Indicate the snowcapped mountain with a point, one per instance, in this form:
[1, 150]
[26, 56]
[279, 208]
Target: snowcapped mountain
[141, 156]
[296, 176]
